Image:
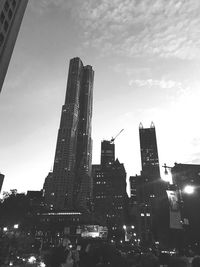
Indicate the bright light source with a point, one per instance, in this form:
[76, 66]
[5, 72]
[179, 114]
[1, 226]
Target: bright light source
[121, 241]
[5, 229]
[32, 259]
[132, 226]
[124, 227]
[42, 264]
[188, 189]
[16, 226]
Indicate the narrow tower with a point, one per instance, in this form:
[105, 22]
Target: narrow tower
[71, 179]
[149, 151]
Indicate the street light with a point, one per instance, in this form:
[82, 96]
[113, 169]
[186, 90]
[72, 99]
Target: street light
[16, 226]
[188, 189]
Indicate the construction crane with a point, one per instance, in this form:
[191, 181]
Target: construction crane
[113, 138]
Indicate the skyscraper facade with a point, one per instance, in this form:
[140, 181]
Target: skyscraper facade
[149, 151]
[151, 189]
[107, 153]
[11, 15]
[109, 188]
[71, 179]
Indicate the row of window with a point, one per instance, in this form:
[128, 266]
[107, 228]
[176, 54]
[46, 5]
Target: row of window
[101, 182]
[8, 3]
[3, 20]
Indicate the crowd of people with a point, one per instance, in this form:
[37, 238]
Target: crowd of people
[105, 255]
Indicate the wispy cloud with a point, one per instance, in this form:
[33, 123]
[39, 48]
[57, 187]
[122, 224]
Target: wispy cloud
[165, 84]
[41, 6]
[142, 28]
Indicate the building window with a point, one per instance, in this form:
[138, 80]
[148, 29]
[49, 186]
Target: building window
[6, 6]
[1, 39]
[14, 3]
[10, 14]
[2, 17]
[6, 25]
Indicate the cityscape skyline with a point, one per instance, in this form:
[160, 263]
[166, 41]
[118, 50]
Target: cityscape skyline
[138, 79]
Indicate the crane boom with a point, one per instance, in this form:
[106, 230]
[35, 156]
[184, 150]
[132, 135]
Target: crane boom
[113, 138]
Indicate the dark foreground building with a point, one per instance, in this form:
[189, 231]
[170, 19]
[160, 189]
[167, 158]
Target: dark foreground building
[11, 15]
[148, 191]
[70, 186]
[185, 175]
[109, 193]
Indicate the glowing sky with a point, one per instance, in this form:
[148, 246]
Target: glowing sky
[146, 57]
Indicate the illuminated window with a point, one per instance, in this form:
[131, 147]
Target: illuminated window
[142, 214]
[148, 214]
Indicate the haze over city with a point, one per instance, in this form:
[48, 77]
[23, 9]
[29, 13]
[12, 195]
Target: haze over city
[146, 59]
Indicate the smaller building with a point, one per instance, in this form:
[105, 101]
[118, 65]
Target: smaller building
[186, 178]
[107, 153]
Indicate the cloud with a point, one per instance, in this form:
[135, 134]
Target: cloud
[41, 6]
[142, 28]
[165, 84]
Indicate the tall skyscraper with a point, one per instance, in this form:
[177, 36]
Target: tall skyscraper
[71, 179]
[151, 189]
[11, 15]
[149, 151]
[107, 153]
[109, 188]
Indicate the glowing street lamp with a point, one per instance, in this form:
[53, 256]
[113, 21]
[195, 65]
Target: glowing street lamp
[16, 226]
[188, 189]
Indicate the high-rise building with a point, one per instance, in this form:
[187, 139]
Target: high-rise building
[107, 153]
[150, 189]
[71, 179]
[149, 151]
[1, 181]
[11, 15]
[109, 188]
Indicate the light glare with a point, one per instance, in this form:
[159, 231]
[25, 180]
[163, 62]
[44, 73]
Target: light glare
[188, 189]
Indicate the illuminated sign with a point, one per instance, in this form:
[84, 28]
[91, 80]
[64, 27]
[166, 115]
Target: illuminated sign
[94, 231]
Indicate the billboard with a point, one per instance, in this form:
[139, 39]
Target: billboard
[94, 231]
[174, 210]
